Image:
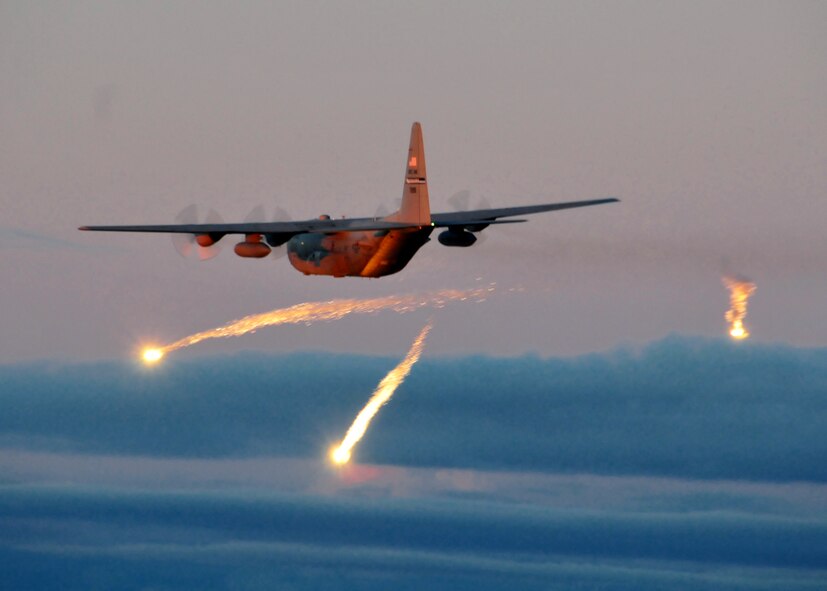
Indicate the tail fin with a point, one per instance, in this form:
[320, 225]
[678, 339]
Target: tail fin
[415, 208]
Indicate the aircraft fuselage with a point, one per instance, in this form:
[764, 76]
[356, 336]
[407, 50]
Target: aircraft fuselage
[356, 254]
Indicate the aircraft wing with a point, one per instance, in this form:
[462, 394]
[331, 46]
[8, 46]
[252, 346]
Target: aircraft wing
[321, 226]
[475, 217]
[490, 216]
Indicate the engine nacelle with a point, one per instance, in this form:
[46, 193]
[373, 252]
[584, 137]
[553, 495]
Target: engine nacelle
[206, 240]
[459, 237]
[252, 247]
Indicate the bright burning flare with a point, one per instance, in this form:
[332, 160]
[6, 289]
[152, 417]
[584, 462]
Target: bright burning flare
[152, 355]
[339, 456]
[739, 292]
[318, 311]
[341, 453]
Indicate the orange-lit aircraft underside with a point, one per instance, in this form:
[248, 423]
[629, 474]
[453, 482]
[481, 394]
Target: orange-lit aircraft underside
[362, 254]
[359, 247]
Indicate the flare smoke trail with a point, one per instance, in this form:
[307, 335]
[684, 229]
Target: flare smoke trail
[318, 311]
[341, 453]
[739, 292]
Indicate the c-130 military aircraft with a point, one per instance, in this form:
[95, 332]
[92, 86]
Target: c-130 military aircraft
[360, 247]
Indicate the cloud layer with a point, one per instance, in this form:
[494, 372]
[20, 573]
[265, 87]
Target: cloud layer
[680, 408]
[138, 539]
[690, 464]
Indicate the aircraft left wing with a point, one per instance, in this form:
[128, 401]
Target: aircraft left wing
[481, 217]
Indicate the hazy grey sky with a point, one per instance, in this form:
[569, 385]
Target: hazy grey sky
[709, 121]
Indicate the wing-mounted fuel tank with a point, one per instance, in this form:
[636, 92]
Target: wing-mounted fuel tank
[456, 237]
[252, 247]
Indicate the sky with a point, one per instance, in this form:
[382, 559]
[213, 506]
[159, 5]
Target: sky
[707, 120]
[586, 424]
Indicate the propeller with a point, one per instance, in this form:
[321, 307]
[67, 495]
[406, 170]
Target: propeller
[203, 244]
[258, 214]
[462, 201]
[385, 209]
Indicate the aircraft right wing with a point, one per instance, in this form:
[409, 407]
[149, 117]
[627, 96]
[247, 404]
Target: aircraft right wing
[482, 217]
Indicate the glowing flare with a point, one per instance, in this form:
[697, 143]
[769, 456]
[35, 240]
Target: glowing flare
[152, 355]
[739, 292]
[331, 310]
[341, 453]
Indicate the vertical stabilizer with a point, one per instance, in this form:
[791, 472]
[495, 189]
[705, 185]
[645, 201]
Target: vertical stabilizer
[415, 208]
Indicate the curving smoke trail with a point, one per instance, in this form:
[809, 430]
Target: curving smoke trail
[341, 453]
[318, 311]
[739, 292]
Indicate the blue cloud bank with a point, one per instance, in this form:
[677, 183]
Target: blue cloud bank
[690, 464]
[681, 407]
[58, 538]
